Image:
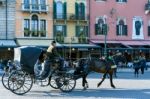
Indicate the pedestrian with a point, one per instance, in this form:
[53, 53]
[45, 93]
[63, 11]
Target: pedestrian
[136, 66]
[142, 61]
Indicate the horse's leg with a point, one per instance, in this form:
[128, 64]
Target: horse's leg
[84, 82]
[104, 76]
[49, 79]
[134, 72]
[138, 72]
[111, 79]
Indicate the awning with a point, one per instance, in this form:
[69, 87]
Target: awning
[126, 43]
[7, 43]
[99, 42]
[36, 42]
[81, 45]
[135, 43]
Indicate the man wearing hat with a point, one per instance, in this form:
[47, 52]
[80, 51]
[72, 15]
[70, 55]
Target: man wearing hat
[52, 51]
[52, 54]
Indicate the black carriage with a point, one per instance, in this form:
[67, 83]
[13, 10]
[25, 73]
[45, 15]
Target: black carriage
[32, 62]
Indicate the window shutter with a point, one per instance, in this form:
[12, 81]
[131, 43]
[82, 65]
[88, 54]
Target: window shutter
[77, 31]
[86, 27]
[117, 29]
[125, 0]
[65, 10]
[96, 29]
[125, 29]
[54, 31]
[76, 10]
[65, 30]
[83, 11]
[148, 30]
[54, 10]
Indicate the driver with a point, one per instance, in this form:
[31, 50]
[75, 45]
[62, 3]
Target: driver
[52, 54]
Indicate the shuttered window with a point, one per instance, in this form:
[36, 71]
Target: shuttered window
[148, 30]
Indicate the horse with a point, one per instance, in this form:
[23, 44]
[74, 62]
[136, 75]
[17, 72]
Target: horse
[97, 65]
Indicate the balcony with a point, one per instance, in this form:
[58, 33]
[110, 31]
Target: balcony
[76, 40]
[147, 8]
[31, 33]
[35, 8]
[71, 17]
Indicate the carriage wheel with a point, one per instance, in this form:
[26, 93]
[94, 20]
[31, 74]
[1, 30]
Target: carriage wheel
[53, 80]
[20, 82]
[5, 77]
[66, 83]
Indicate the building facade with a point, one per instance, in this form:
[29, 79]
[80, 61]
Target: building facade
[70, 25]
[34, 22]
[126, 23]
[7, 28]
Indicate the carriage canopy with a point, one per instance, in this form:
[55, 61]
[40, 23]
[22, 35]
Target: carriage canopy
[27, 57]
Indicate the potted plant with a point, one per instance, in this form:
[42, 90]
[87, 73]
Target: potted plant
[26, 32]
[43, 33]
[59, 37]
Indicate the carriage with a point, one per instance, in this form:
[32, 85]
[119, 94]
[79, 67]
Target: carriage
[31, 61]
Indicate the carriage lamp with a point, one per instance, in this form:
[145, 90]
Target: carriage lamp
[9, 49]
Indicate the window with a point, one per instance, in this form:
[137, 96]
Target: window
[82, 33]
[42, 28]
[138, 32]
[26, 4]
[99, 27]
[59, 10]
[35, 5]
[34, 25]
[80, 11]
[121, 0]
[59, 33]
[43, 4]
[26, 27]
[137, 27]
[121, 28]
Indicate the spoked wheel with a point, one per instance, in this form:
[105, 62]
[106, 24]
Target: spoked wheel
[53, 80]
[20, 82]
[66, 83]
[5, 77]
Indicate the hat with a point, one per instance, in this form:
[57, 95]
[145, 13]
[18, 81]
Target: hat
[53, 42]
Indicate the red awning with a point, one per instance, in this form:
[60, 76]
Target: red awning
[135, 42]
[139, 42]
[98, 41]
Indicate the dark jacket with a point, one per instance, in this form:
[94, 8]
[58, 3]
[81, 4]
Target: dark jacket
[53, 54]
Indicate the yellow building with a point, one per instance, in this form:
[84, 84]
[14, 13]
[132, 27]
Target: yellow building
[70, 22]
[34, 22]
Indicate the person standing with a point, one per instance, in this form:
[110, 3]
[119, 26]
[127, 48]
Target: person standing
[142, 61]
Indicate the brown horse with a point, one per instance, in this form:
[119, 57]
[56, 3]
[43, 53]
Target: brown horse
[88, 65]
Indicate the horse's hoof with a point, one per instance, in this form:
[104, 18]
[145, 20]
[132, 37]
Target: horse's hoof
[98, 85]
[84, 88]
[113, 86]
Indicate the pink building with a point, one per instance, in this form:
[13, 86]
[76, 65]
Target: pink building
[128, 24]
